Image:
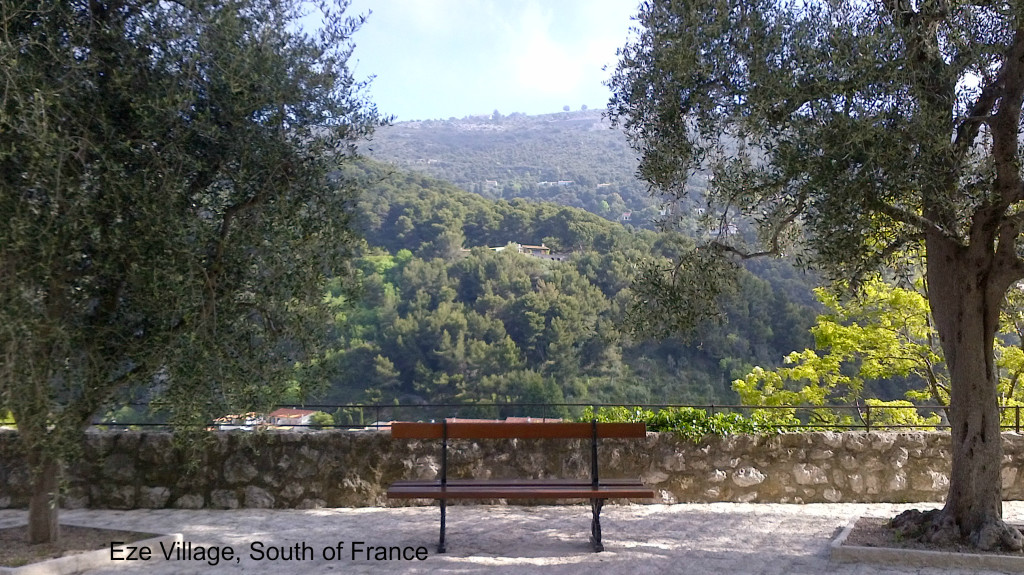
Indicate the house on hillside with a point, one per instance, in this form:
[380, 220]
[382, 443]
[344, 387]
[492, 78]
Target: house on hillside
[287, 416]
[541, 250]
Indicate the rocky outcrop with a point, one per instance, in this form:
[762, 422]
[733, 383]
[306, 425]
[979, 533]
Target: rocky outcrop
[309, 469]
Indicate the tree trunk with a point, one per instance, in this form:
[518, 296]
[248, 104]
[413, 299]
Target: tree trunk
[44, 500]
[965, 300]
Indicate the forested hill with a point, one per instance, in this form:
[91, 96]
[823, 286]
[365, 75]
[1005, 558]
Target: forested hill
[570, 158]
[443, 318]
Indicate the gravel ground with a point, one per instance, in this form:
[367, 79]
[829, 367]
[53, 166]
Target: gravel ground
[697, 539]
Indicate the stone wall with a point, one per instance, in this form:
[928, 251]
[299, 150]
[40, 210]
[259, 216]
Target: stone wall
[351, 469]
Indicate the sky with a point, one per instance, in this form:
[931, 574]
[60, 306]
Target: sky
[435, 59]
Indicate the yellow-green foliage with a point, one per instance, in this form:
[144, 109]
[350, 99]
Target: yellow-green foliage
[899, 414]
[884, 332]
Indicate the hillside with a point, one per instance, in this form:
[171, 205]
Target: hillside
[570, 158]
[443, 318]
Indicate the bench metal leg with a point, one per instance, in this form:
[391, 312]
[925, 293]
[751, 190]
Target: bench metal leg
[595, 524]
[440, 544]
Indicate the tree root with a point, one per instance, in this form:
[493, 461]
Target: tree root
[940, 528]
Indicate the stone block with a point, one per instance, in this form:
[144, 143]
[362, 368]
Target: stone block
[655, 476]
[223, 499]
[189, 501]
[1009, 477]
[673, 462]
[256, 497]
[120, 497]
[747, 477]
[897, 483]
[748, 497]
[153, 497]
[75, 498]
[873, 484]
[872, 464]
[666, 497]
[157, 449]
[832, 439]
[809, 474]
[293, 490]
[899, 457]
[717, 476]
[881, 441]
[857, 442]
[238, 469]
[119, 466]
[311, 504]
[857, 484]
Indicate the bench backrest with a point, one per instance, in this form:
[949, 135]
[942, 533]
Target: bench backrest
[502, 430]
[446, 430]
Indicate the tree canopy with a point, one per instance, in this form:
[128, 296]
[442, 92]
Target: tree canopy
[170, 215]
[850, 132]
[443, 319]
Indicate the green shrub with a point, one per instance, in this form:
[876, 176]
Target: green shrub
[319, 420]
[690, 422]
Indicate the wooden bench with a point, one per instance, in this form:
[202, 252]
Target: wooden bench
[595, 489]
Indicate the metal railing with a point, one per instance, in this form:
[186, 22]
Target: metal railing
[369, 416]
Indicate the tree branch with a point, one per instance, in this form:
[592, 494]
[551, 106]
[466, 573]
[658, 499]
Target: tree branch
[922, 223]
[775, 247]
[1009, 265]
[1005, 125]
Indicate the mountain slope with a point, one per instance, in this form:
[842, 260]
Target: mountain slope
[571, 158]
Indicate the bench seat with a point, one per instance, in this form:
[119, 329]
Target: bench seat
[520, 489]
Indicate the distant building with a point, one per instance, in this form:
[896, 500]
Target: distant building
[626, 216]
[534, 250]
[286, 416]
[542, 251]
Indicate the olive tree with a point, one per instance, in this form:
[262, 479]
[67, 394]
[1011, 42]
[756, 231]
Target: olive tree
[169, 211]
[850, 132]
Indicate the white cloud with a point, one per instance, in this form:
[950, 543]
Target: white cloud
[538, 59]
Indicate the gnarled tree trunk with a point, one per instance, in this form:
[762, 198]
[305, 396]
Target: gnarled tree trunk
[965, 296]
